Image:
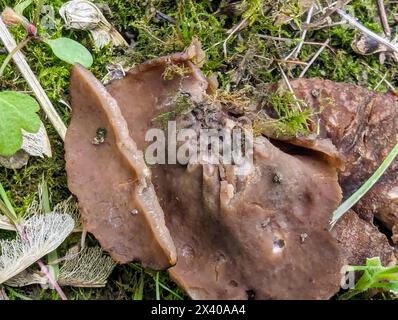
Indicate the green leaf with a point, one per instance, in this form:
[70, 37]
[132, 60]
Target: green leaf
[71, 51]
[374, 275]
[18, 111]
[374, 262]
[20, 7]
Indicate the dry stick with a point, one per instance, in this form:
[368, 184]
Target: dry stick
[316, 55]
[292, 61]
[377, 72]
[329, 11]
[33, 83]
[381, 81]
[264, 36]
[352, 21]
[285, 78]
[234, 30]
[297, 49]
[383, 18]
[329, 25]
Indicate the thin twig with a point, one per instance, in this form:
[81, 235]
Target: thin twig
[143, 27]
[291, 61]
[389, 85]
[234, 30]
[352, 21]
[165, 17]
[316, 55]
[285, 78]
[329, 25]
[383, 18]
[328, 12]
[320, 44]
[83, 239]
[264, 36]
[32, 81]
[381, 81]
[297, 50]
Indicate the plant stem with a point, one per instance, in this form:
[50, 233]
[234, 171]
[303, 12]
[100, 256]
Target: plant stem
[38, 11]
[7, 60]
[54, 283]
[31, 79]
[351, 201]
[157, 286]
[45, 202]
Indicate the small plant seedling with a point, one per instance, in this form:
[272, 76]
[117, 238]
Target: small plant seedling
[19, 111]
[65, 49]
[374, 276]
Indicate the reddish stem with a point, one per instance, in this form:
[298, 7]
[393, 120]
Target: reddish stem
[54, 283]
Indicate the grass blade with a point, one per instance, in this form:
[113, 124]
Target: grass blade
[45, 202]
[7, 205]
[351, 201]
[157, 286]
[139, 289]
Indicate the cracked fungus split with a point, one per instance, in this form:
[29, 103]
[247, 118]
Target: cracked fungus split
[220, 234]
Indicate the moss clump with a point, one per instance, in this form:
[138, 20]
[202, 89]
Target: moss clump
[283, 115]
[182, 104]
[175, 70]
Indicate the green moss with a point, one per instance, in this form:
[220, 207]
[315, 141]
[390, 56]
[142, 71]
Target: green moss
[290, 117]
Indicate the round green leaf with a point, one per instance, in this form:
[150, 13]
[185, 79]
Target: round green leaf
[18, 111]
[71, 51]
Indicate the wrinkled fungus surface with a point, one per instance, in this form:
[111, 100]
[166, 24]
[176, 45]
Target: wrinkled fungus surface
[263, 234]
[363, 126]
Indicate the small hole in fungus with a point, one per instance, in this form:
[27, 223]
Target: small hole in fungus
[278, 245]
[251, 294]
[277, 178]
[233, 283]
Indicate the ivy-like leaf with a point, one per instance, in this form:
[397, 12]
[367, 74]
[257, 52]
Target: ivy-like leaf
[17, 111]
[71, 51]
